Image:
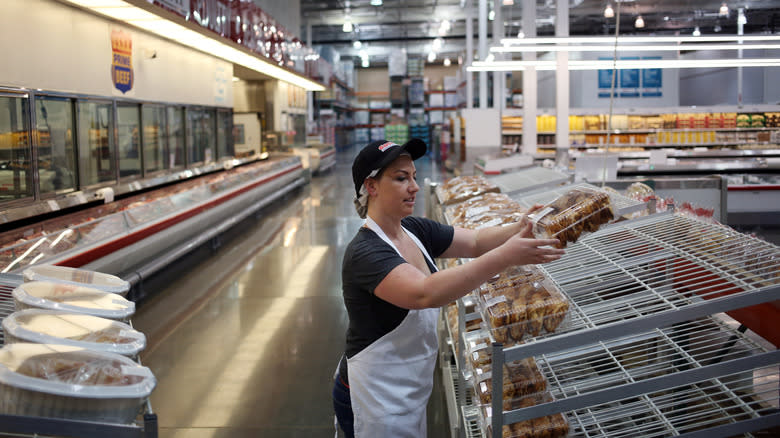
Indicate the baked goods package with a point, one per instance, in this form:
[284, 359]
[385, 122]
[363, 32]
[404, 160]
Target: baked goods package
[522, 303]
[521, 378]
[461, 188]
[72, 298]
[568, 216]
[85, 331]
[480, 204]
[550, 426]
[78, 277]
[62, 381]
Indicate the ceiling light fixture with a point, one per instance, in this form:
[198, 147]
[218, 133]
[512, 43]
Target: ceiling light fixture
[724, 10]
[376, 2]
[635, 48]
[438, 43]
[696, 32]
[447, 62]
[521, 34]
[347, 27]
[639, 23]
[508, 2]
[610, 41]
[431, 56]
[492, 15]
[357, 44]
[143, 18]
[608, 11]
[623, 64]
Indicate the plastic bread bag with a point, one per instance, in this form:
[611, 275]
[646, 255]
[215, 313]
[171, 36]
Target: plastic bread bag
[577, 211]
[69, 382]
[78, 277]
[550, 426]
[78, 330]
[525, 309]
[520, 377]
[71, 298]
[461, 188]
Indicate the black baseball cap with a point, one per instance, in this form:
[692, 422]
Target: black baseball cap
[378, 154]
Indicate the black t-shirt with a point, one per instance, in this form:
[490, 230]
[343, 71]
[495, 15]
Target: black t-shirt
[367, 260]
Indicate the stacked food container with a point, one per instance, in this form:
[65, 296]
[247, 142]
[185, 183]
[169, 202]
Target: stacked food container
[70, 351]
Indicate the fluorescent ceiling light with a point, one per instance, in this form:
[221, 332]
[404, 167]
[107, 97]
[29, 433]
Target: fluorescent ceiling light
[125, 12]
[376, 2]
[447, 62]
[608, 11]
[508, 2]
[347, 27]
[640, 39]
[357, 44]
[623, 64]
[633, 48]
[724, 10]
[696, 32]
[431, 56]
[639, 23]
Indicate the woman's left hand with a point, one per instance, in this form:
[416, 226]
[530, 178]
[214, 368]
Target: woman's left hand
[526, 232]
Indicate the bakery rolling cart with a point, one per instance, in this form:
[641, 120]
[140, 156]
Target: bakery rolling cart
[651, 346]
[15, 425]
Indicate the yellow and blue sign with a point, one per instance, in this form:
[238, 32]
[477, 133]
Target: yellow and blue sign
[121, 60]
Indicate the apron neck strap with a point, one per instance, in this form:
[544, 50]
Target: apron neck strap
[373, 226]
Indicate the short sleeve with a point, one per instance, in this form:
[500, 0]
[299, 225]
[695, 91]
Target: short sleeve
[368, 261]
[435, 236]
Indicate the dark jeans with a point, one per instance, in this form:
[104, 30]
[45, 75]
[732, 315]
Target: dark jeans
[343, 407]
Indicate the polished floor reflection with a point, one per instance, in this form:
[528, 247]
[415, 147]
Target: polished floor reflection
[244, 342]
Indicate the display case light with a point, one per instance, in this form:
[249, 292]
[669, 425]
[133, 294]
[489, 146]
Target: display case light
[136, 13]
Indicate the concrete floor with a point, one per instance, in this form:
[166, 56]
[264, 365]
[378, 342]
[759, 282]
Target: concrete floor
[244, 339]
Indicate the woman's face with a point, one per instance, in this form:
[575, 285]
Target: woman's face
[397, 186]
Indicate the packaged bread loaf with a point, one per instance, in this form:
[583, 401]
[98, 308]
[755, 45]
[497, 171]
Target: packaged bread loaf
[67, 297]
[460, 188]
[63, 381]
[522, 303]
[577, 211]
[85, 331]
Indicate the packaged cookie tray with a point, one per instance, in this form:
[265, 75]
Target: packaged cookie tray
[461, 188]
[570, 215]
[78, 330]
[517, 308]
[551, 426]
[61, 381]
[521, 378]
[72, 298]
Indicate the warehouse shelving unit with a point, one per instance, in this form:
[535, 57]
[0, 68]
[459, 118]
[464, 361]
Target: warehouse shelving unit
[29, 426]
[646, 350]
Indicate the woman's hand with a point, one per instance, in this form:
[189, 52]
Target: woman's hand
[524, 251]
[525, 229]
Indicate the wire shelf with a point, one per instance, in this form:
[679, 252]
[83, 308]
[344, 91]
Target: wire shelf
[657, 264]
[622, 205]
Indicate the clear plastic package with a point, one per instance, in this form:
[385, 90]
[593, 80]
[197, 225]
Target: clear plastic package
[550, 426]
[71, 298]
[521, 378]
[78, 330]
[522, 305]
[79, 277]
[62, 381]
[577, 211]
[461, 188]
[489, 218]
[481, 203]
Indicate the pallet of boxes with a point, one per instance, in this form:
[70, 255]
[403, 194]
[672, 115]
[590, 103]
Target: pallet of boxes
[521, 303]
[70, 351]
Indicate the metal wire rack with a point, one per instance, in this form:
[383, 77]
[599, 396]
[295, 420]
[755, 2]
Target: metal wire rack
[622, 205]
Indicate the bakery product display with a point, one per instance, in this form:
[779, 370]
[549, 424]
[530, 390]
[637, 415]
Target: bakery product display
[78, 330]
[521, 378]
[577, 211]
[460, 188]
[521, 302]
[68, 297]
[78, 277]
[550, 426]
[63, 381]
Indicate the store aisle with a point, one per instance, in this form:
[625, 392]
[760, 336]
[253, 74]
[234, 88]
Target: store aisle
[244, 343]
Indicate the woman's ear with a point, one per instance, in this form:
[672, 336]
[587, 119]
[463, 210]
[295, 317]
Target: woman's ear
[371, 186]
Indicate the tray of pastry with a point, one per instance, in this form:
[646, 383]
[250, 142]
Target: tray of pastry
[550, 426]
[571, 214]
[484, 210]
[622, 205]
[521, 302]
[461, 188]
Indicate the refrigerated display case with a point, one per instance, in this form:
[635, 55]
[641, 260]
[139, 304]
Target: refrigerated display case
[672, 330]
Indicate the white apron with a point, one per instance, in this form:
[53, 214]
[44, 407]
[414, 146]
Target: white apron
[391, 380]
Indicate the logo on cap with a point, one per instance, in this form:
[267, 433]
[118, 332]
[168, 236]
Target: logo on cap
[385, 146]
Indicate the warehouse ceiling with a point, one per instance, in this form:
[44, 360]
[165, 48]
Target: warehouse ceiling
[414, 24]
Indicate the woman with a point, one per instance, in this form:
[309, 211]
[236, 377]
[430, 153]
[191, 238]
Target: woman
[392, 292]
